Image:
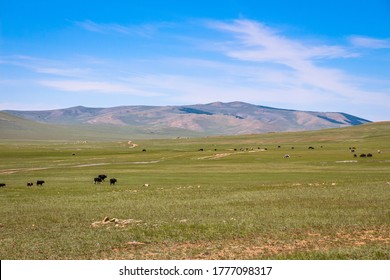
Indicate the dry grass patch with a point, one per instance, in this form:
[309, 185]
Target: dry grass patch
[256, 246]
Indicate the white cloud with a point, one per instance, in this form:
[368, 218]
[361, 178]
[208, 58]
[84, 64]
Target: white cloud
[27, 106]
[63, 71]
[265, 44]
[251, 62]
[93, 86]
[292, 70]
[45, 66]
[144, 30]
[258, 43]
[371, 43]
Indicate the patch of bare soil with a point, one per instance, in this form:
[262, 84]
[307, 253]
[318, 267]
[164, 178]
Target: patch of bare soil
[15, 170]
[255, 247]
[216, 156]
[131, 144]
[221, 155]
[90, 164]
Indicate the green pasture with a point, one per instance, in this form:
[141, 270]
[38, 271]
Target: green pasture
[239, 198]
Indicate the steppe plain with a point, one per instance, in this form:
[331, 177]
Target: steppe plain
[227, 197]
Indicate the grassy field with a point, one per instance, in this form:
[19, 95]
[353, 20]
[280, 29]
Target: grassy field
[239, 198]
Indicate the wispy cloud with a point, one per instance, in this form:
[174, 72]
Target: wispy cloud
[292, 71]
[45, 66]
[371, 43]
[266, 44]
[94, 86]
[144, 30]
[246, 60]
[256, 42]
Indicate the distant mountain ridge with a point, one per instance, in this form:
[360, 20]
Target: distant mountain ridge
[204, 119]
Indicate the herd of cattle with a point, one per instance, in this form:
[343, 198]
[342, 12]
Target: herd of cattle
[101, 178]
[98, 180]
[29, 184]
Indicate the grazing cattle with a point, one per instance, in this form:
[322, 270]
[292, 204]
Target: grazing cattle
[97, 180]
[379, 151]
[103, 177]
[146, 185]
[363, 155]
[355, 155]
[311, 148]
[369, 155]
[286, 156]
[40, 182]
[201, 150]
[30, 184]
[113, 181]
[2, 185]
[144, 150]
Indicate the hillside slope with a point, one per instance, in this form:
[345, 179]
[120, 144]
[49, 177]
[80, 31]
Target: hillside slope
[168, 121]
[206, 119]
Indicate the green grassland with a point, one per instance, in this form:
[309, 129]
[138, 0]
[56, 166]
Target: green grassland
[239, 198]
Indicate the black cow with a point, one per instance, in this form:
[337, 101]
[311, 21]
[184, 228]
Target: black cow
[30, 184]
[363, 155]
[40, 182]
[97, 180]
[2, 185]
[103, 177]
[113, 181]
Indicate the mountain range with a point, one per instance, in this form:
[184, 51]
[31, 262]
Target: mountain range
[191, 120]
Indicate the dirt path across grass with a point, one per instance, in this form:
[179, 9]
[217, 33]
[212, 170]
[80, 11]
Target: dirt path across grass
[16, 170]
[221, 155]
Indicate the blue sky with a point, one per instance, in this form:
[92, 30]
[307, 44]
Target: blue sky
[305, 55]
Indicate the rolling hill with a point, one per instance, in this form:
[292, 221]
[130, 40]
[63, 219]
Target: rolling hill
[172, 121]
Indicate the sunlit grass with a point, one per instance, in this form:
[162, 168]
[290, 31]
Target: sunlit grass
[222, 203]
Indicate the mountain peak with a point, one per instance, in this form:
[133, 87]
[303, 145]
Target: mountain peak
[229, 104]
